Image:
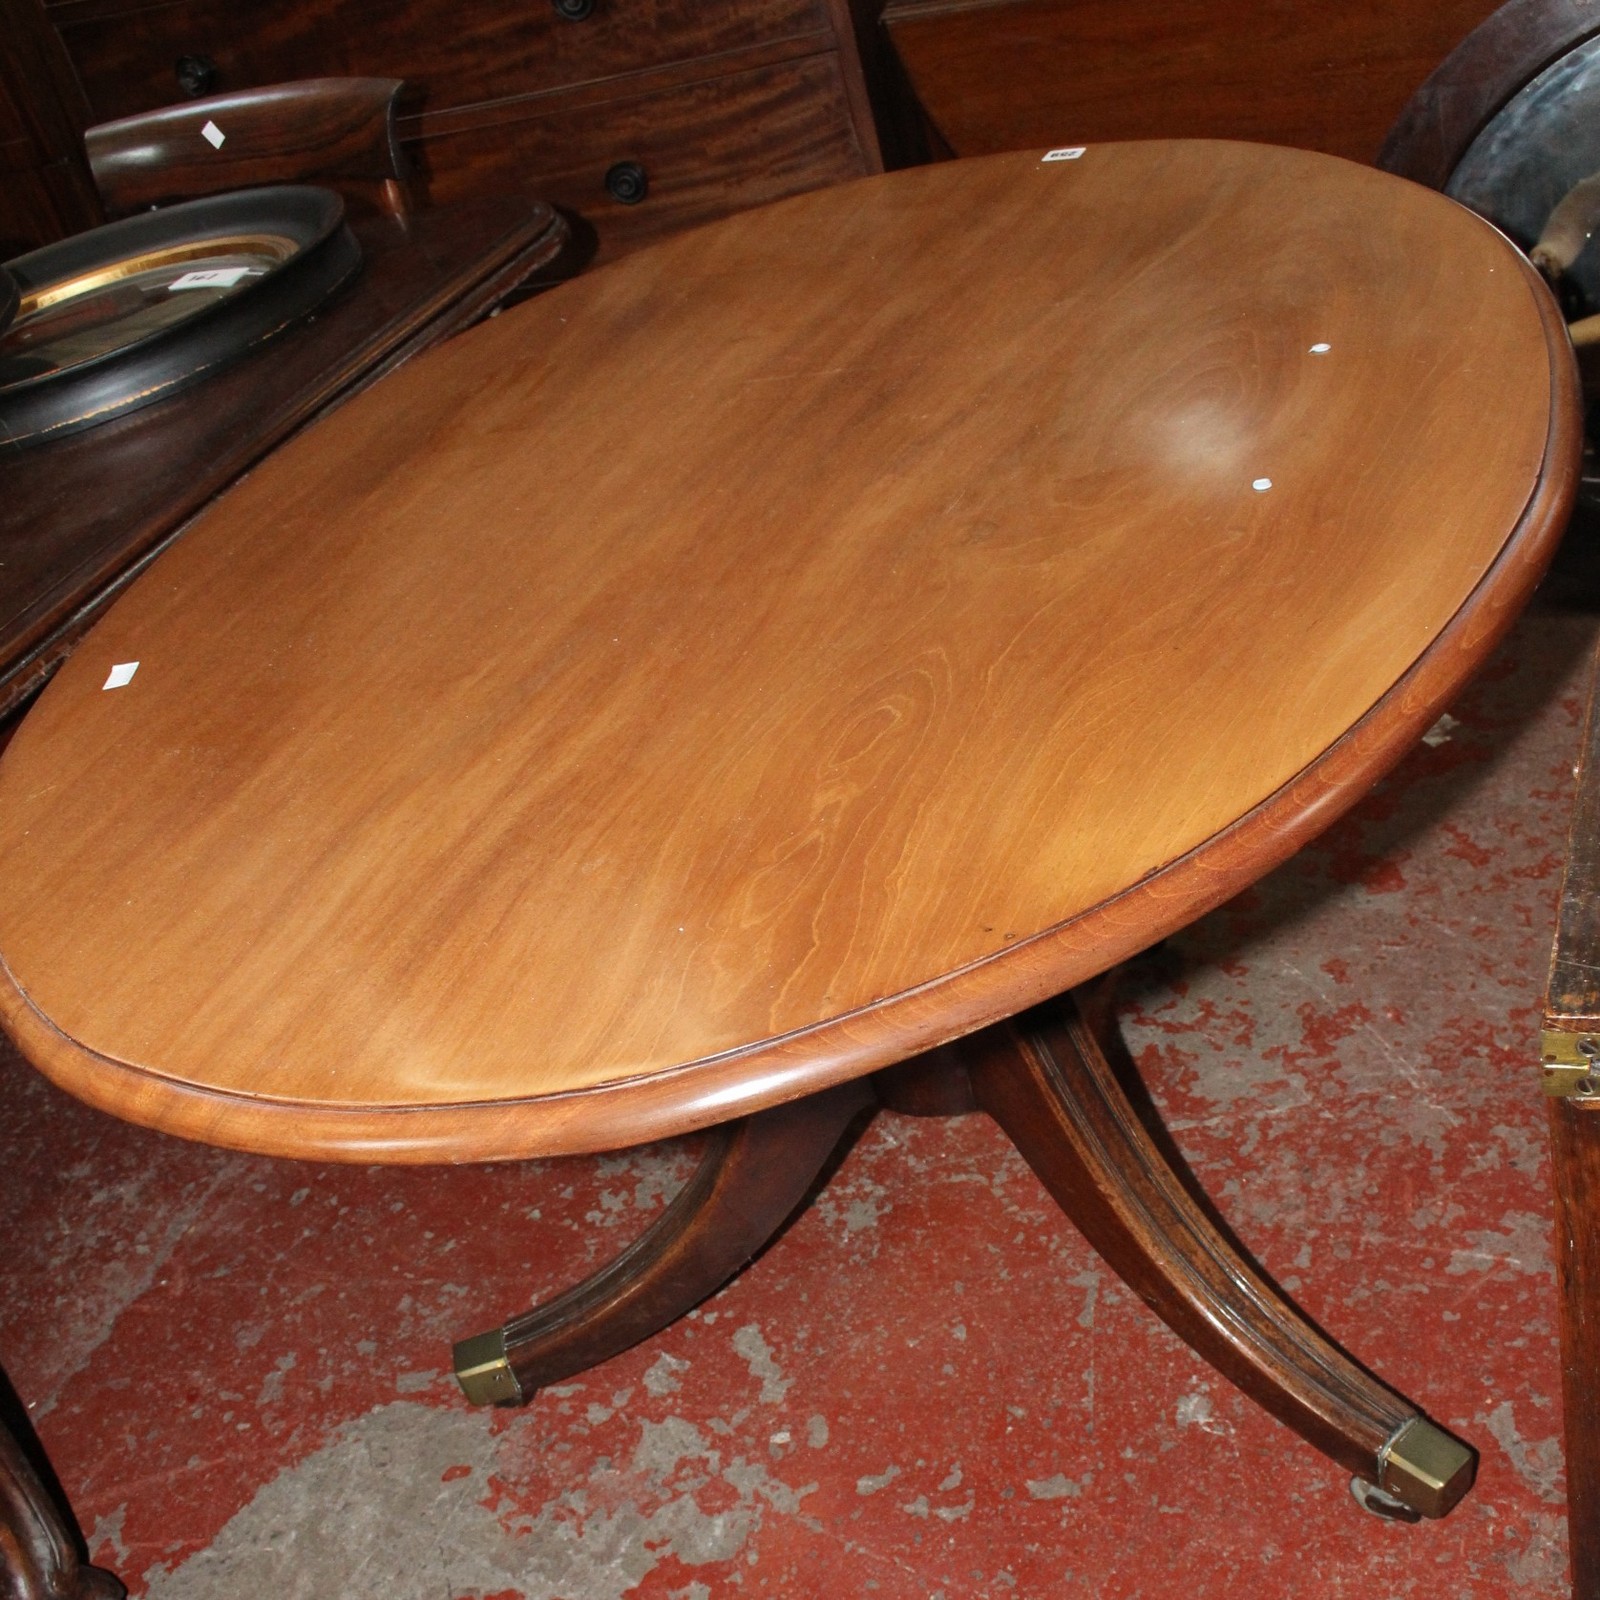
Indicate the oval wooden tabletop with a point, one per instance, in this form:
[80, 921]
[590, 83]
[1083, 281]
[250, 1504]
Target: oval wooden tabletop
[780, 652]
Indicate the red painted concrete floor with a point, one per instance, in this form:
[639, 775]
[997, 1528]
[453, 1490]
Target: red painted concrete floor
[929, 1387]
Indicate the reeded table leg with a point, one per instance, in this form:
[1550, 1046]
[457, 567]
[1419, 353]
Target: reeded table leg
[753, 1175]
[38, 1557]
[1575, 1167]
[1045, 1079]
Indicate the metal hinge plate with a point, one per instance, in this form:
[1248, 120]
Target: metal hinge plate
[1571, 1064]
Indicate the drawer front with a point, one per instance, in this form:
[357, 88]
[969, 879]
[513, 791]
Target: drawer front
[706, 149]
[452, 52]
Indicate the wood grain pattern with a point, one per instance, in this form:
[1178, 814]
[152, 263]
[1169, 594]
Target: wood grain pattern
[1045, 1078]
[67, 548]
[751, 1178]
[782, 652]
[1575, 1167]
[322, 130]
[451, 52]
[727, 106]
[1572, 1001]
[709, 146]
[1006, 76]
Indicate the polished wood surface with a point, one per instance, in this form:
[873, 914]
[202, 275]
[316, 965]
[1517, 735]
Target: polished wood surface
[782, 652]
[39, 1557]
[1575, 1167]
[724, 106]
[1060, 1084]
[319, 130]
[1572, 1000]
[1009, 74]
[68, 547]
[1045, 1078]
[460, 52]
[708, 145]
[42, 1554]
[751, 1178]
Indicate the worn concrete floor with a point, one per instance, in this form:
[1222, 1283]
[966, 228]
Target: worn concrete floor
[929, 1387]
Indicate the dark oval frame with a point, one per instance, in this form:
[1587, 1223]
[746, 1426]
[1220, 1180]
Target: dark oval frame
[1481, 75]
[325, 258]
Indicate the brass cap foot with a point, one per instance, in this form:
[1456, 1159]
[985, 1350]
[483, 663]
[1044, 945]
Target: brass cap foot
[1371, 1498]
[484, 1373]
[1423, 1467]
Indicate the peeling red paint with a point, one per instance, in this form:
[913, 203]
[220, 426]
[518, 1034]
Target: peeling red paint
[1464, 848]
[1321, 1031]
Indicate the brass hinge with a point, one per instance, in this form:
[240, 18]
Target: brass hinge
[1571, 1064]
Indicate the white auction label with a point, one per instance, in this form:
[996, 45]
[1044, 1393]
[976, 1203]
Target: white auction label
[1069, 153]
[213, 135]
[211, 278]
[121, 675]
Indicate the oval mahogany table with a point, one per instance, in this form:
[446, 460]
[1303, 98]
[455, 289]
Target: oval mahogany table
[702, 695]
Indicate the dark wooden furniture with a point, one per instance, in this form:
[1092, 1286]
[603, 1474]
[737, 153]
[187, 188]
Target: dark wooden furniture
[1570, 1051]
[338, 132]
[715, 686]
[1431, 143]
[65, 176]
[1477, 78]
[1012, 74]
[39, 1556]
[46, 191]
[640, 115]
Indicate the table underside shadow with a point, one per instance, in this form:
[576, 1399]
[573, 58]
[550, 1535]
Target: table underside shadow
[1049, 1080]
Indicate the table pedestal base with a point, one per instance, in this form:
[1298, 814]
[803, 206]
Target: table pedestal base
[1047, 1077]
[38, 1555]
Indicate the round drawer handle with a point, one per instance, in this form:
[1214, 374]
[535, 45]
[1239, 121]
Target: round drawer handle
[627, 182]
[197, 75]
[574, 10]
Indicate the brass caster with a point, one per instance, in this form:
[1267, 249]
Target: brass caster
[1371, 1498]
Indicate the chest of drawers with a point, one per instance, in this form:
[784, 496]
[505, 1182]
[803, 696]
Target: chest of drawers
[641, 116]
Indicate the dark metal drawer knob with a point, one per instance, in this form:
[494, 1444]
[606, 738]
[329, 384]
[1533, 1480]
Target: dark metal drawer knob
[197, 75]
[627, 182]
[574, 10]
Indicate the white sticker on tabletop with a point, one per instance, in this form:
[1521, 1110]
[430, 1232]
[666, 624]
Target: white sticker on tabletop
[120, 675]
[211, 278]
[213, 135]
[1070, 152]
